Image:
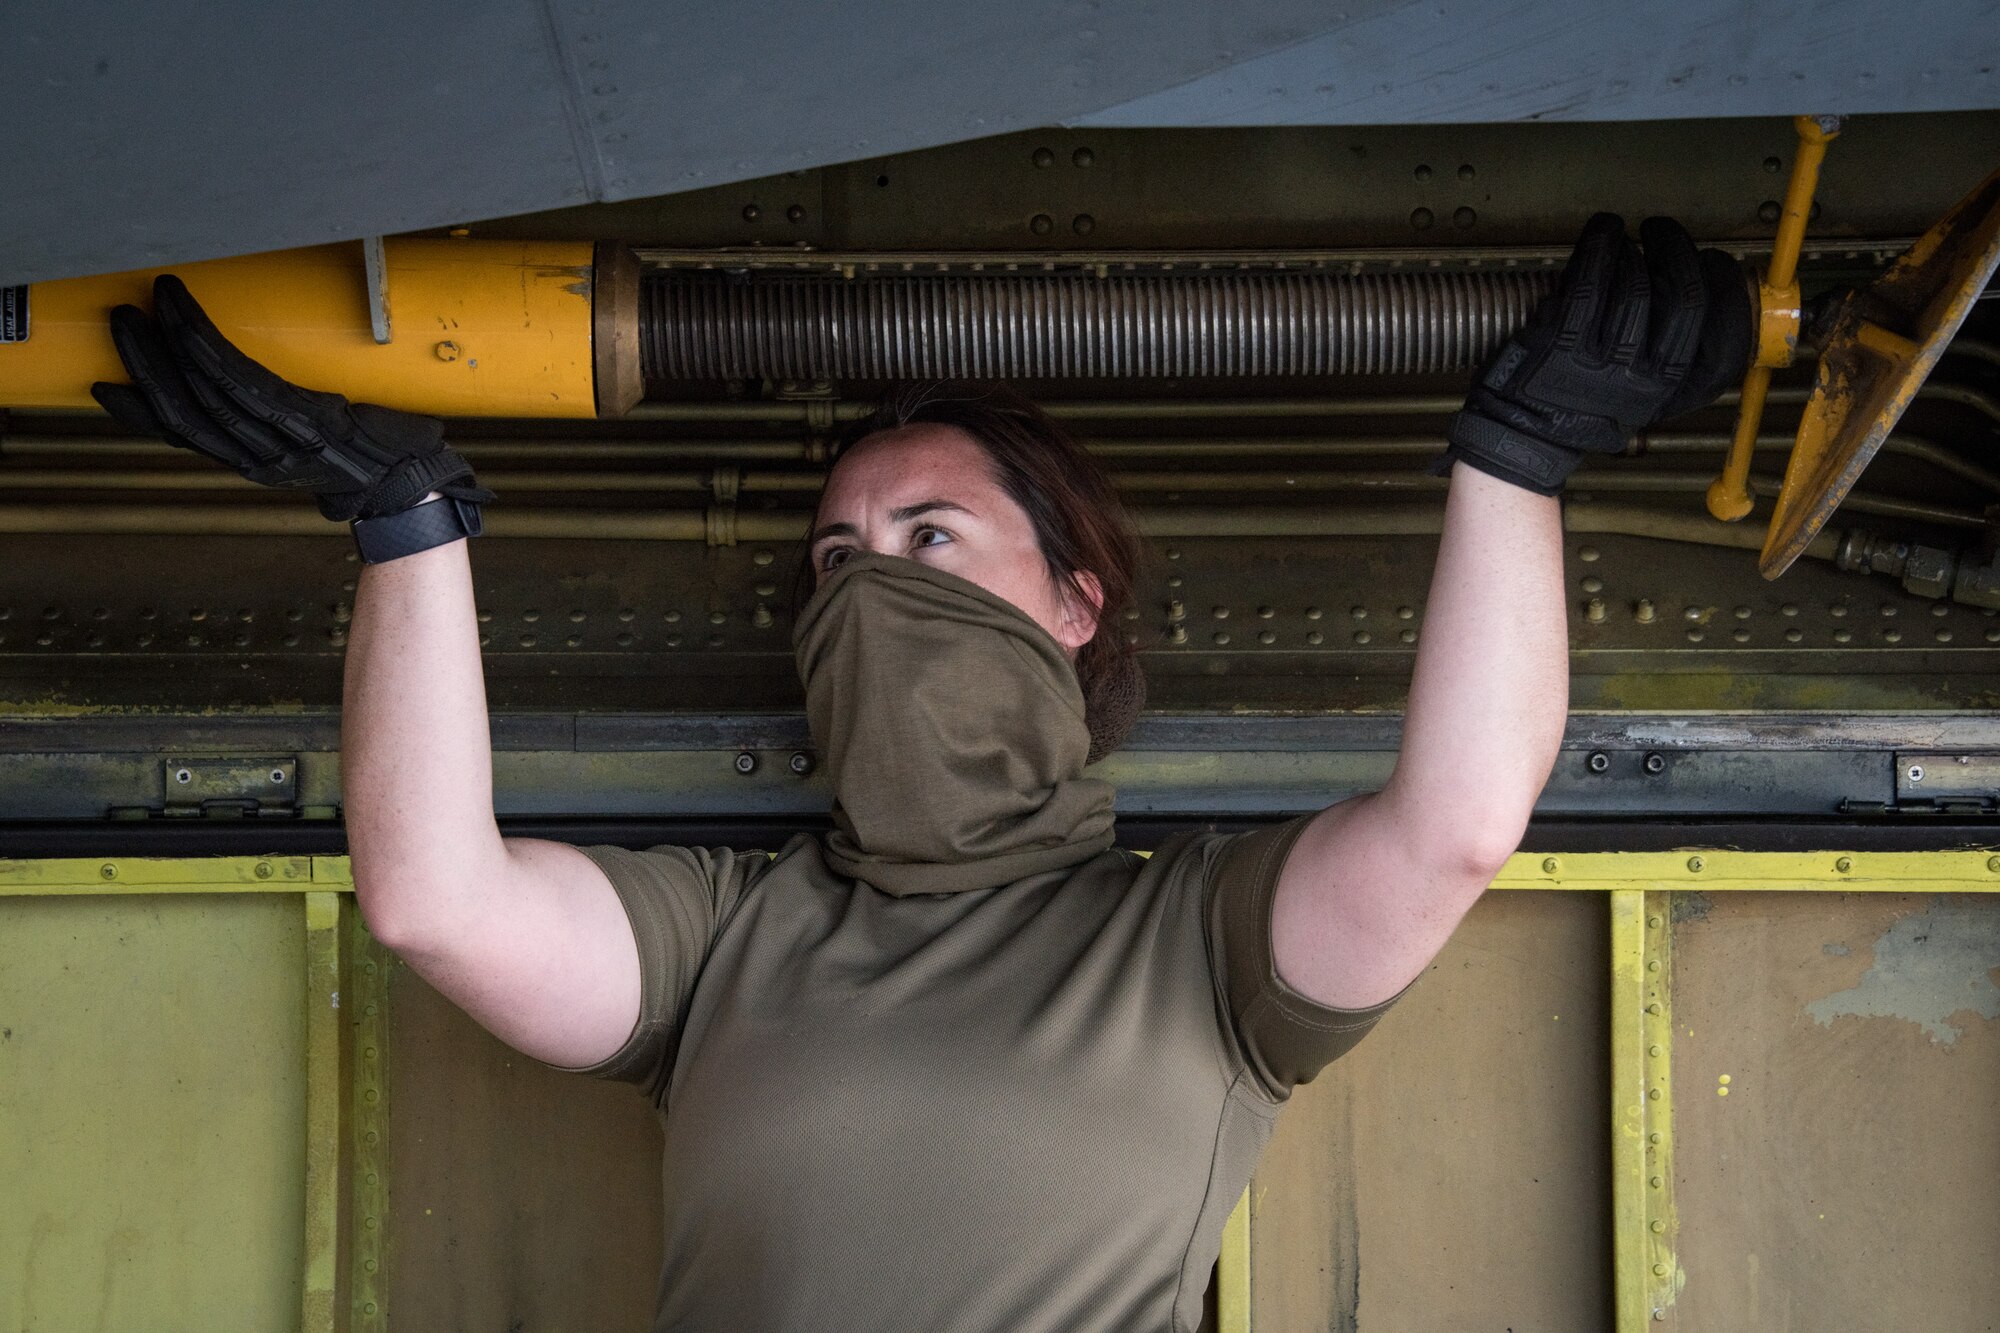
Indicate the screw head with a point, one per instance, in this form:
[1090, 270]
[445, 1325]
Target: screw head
[1916, 773]
[1993, 864]
[1041, 224]
[264, 870]
[1550, 865]
[1695, 863]
[1659, 1270]
[1599, 761]
[1658, 1226]
[746, 762]
[1844, 864]
[108, 871]
[183, 776]
[1656, 763]
[802, 763]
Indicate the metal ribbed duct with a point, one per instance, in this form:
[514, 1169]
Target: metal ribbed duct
[706, 326]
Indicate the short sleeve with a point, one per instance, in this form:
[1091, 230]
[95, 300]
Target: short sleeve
[678, 899]
[1285, 1038]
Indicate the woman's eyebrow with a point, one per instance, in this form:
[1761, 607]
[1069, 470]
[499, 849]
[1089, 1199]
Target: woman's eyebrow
[922, 507]
[902, 515]
[834, 530]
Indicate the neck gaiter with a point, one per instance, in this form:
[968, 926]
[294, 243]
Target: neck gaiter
[952, 729]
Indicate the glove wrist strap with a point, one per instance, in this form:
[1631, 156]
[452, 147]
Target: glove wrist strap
[419, 528]
[1538, 465]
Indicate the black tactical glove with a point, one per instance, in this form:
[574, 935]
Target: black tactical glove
[1625, 340]
[192, 386]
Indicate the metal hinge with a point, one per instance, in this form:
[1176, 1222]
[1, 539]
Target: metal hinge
[1939, 784]
[236, 787]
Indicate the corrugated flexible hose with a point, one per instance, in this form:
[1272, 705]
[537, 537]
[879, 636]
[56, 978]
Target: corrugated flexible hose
[706, 326]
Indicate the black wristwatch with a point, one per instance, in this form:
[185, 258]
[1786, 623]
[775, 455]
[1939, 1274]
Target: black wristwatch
[418, 528]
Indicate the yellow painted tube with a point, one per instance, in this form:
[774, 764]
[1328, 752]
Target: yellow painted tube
[477, 328]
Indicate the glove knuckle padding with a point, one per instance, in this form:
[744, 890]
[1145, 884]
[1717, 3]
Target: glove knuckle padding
[1627, 339]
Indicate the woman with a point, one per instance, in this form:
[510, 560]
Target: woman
[963, 1064]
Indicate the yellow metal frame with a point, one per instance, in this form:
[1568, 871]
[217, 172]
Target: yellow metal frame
[344, 967]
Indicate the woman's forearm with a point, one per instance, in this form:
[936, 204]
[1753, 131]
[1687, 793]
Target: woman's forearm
[1490, 691]
[416, 755]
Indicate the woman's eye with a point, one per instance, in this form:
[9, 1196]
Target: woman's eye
[929, 537]
[834, 557]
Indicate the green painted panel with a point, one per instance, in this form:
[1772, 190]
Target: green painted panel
[152, 1098]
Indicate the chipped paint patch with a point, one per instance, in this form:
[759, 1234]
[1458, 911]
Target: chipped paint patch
[1691, 907]
[1928, 967]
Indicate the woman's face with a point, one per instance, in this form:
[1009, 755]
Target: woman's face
[927, 492]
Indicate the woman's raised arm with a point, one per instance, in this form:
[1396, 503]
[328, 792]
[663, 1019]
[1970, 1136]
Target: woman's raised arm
[527, 937]
[1374, 886]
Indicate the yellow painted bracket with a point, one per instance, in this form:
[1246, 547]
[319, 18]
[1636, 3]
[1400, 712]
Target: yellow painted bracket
[1880, 346]
[1232, 1271]
[368, 1129]
[1646, 1277]
[322, 1128]
[1876, 348]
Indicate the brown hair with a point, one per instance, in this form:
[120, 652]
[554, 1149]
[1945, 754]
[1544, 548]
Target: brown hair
[1080, 524]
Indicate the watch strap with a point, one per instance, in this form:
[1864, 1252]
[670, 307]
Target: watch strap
[418, 528]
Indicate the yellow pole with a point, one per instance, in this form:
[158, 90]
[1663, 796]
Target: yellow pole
[483, 328]
[1778, 316]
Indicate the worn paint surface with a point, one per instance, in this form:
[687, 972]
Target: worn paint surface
[145, 1181]
[1929, 968]
[1452, 1172]
[523, 1198]
[1846, 1179]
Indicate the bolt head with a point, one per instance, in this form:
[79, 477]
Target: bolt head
[1599, 761]
[1656, 763]
[802, 763]
[746, 762]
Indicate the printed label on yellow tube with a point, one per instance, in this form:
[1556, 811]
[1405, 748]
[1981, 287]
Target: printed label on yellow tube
[13, 314]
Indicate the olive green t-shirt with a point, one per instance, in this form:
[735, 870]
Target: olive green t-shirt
[1004, 1110]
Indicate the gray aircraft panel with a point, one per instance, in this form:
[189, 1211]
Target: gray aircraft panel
[149, 134]
[1478, 60]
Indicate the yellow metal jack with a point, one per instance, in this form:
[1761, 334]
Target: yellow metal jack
[1877, 345]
